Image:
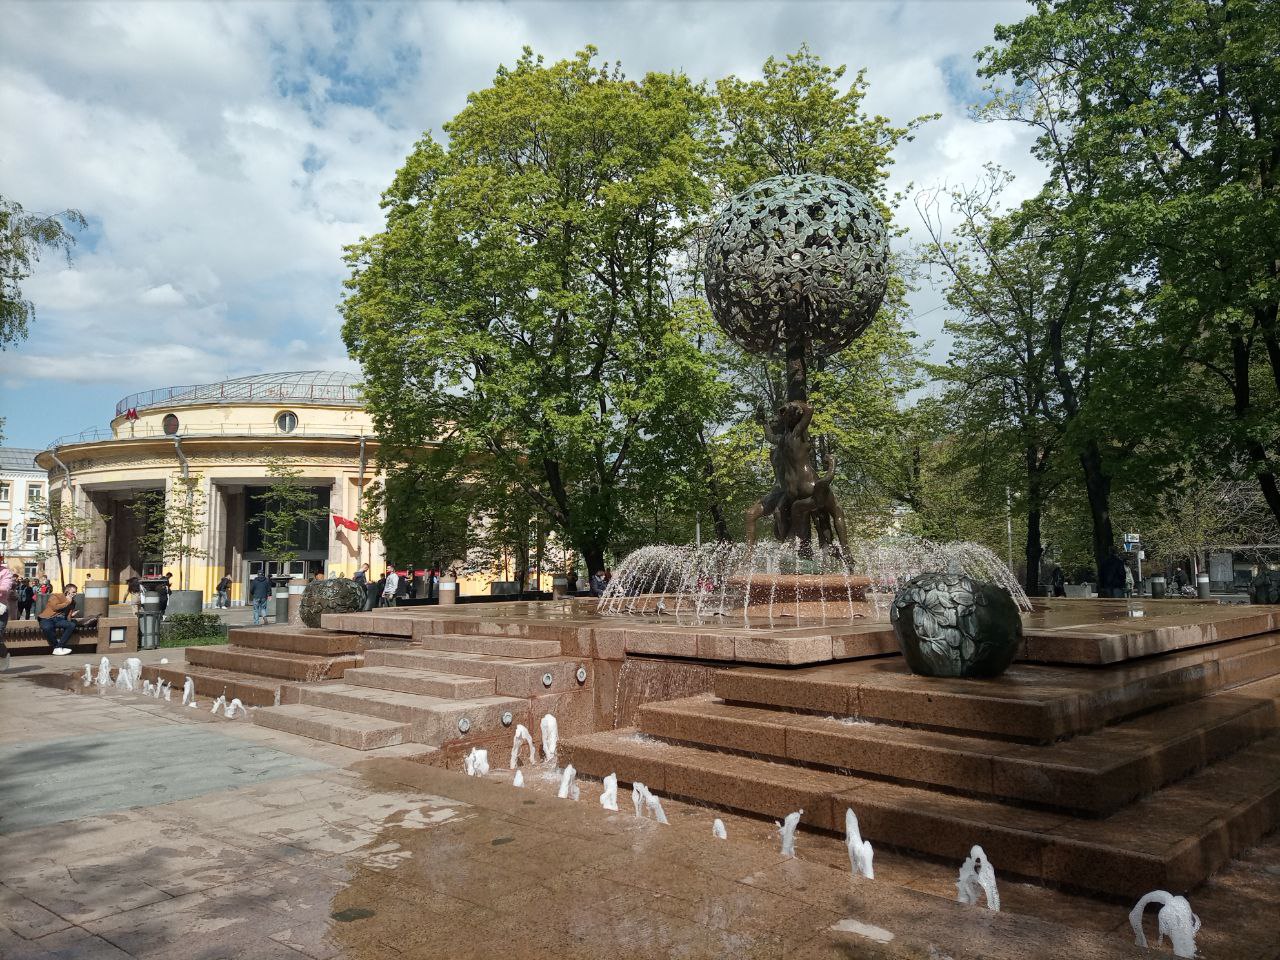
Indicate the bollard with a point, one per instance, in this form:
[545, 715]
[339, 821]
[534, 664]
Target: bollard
[559, 587]
[95, 598]
[281, 594]
[1158, 588]
[1202, 586]
[448, 591]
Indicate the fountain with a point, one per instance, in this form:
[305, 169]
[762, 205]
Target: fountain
[146, 688]
[104, 674]
[134, 666]
[643, 800]
[860, 852]
[568, 784]
[977, 875]
[609, 799]
[219, 704]
[518, 779]
[88, 674]
[787, 831]
[522, 736]
[550, 737]
[718, 831]
[124, 679]
[188, 692]
[1174, 920]
[476, 763]
[234, 707]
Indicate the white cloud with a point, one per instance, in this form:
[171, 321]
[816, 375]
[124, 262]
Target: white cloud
[227, 152]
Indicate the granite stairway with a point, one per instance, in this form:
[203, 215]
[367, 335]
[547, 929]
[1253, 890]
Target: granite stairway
[263, 666]
[1115, 780]
[472, 689]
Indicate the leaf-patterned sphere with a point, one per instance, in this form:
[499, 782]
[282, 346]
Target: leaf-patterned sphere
[949, 625]
[797, 255]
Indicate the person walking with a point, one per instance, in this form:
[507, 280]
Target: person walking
[8, 597]
[362, 575]
[1059, 582]
[259, 594]
[58, 620]
[164, 590]
[26, 599]
[224, 592]
[391, 585]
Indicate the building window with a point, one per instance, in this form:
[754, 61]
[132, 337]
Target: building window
[4, 491]
[4, 534]
[29, 569]
[287, 422]
[169, 424]
[33, 533]
[34, 492]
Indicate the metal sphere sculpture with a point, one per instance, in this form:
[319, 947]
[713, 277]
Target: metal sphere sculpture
[797, 265]
[793, 257]
[949, 625]
[337, 595]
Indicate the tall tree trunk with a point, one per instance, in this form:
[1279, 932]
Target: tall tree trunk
[593, 554]
[1097, 485]
[1035, 551]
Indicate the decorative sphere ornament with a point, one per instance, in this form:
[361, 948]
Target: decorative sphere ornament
[338, 595]
[797, 256]
[1265, 587]
[949, 625]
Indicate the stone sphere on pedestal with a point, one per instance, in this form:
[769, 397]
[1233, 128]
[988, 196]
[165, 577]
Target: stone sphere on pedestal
[338, 595]
[797, 256]
[949, 625]
[1265, 587]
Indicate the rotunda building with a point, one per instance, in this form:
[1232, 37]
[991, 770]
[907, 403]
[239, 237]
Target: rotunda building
[220, 438]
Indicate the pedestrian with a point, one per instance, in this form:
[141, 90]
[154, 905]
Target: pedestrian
[1059, 581]
[166, 588]
[26, 599]
[391, 585]
[259, 594]
[58, 620]
[133, 593]
[45, 586]
[1111, 576]
[362, 575]
[1128, 580]
[224, 592]
[373, 593]
[598, 583]
[8, 596]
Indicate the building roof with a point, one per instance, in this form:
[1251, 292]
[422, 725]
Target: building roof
[18, 460]
[328, 387]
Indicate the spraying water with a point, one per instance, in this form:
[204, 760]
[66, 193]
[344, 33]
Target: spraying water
[696, 583]
[518, 779]
[550, 737]
[860, 852]
[1175, 921]
[718, 831]
[977, 875]
[219, 704]
[104, 673]
[609, 799]
[787, 831]
[188, 692]
[476, 763]
[235, 706]
[568, 784]
[88, 674]
[134, 665]
[522, 736]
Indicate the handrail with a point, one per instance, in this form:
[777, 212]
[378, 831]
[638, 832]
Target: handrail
[231, 390]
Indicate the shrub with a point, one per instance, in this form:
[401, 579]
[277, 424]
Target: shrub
[192, 629]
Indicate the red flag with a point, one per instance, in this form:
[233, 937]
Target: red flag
[344, 522]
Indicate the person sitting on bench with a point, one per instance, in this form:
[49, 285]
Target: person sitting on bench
[59, 617]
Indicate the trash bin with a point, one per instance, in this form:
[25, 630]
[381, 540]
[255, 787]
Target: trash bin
[1202, 586]
[1158, 588]
[280, 592]
[448, 590]
[149, 621]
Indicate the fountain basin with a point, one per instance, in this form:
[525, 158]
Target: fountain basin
[799, 588]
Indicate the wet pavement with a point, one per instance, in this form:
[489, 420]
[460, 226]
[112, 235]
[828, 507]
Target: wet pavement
[136, 828]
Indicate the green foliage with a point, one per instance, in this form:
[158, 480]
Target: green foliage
[192, 630]
[427, 504]
[71, 529]
[169, 525]
[23, 236]
[287, 504]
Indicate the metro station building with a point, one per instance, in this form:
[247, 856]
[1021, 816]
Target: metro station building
[222, 434]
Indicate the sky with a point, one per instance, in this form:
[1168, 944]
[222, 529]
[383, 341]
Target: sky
[224, 153]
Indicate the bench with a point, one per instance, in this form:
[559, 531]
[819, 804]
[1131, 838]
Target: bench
[26, 635]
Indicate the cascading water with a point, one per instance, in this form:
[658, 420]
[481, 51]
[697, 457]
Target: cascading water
[721, 581]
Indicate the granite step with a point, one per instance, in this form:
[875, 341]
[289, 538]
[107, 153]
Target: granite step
[210, 683]
[1031, 703]
[1094, 774]
[288, 639]
[431, 720]
[1173, 839]
[359, 732]
[513, 678]
[272, 663]
[426, 682]
[514, 647]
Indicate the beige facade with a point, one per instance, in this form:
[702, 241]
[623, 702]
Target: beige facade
[23, 486]
[222, 436]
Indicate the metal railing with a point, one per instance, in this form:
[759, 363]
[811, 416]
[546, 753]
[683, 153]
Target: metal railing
[243, 391]
[141, 432]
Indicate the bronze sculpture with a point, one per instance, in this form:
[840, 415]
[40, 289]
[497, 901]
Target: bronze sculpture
[797, 265]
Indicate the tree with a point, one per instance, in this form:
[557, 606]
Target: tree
[422, 510]
[70, 529]
[519, 301]
[1160, 119]
[23, 236]
[170, 525]
[288, 506]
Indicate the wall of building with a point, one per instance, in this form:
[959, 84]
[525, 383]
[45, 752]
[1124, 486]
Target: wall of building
[20, 479]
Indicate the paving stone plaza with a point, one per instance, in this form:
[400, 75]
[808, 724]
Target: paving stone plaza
[1120, 754]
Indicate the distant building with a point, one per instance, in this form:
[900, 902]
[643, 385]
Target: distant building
[22, 485]
[222, 434]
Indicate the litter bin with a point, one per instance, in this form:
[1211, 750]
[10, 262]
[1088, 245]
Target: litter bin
[1202, 586]
[1158, 588]
[448, 590]
[149, 620]
[281, 594]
